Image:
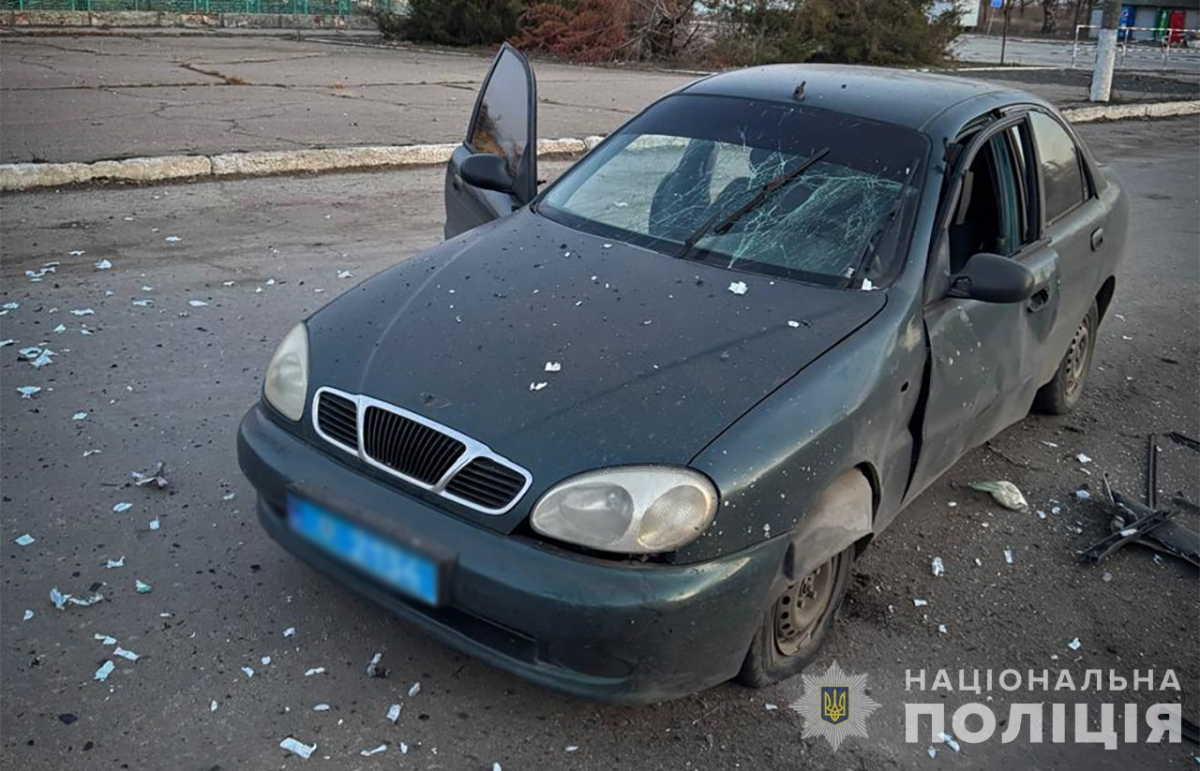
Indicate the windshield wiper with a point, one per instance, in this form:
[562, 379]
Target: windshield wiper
[763, 194]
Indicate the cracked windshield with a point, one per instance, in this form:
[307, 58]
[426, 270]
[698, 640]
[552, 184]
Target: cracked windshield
[780, 189]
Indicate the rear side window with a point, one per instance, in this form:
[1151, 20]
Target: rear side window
[1062, 172]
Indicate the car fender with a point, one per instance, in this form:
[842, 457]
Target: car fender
[841, 517]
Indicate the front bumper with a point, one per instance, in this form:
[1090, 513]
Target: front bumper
[618, 632]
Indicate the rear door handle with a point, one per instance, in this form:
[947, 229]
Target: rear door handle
[1038, 300]
[1097, 238]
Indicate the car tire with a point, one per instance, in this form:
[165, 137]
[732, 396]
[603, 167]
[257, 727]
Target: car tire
[782, 647]
[1062, 394]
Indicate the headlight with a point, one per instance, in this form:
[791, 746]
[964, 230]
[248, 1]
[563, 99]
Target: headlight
[632, 510]
[286, 382]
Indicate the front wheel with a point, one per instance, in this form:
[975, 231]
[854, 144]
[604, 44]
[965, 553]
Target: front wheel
[798, 623]
[1062, 394]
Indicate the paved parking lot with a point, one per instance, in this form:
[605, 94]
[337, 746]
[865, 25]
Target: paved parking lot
[105, 97]
[206, 278]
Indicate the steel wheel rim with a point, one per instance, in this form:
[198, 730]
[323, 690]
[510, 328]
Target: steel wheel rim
[801, 608]
[1077, 359]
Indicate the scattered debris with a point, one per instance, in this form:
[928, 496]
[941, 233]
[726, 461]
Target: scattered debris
[289, 632]
[175, 240]
[738, 287]
[28, 615]
[403, 748]
[1006, 494]
[125, 654]
[83, 312]
[61, 600]
[771, 707]
[104, 671]
[142, 587]
[1133, 522]
[950, 741]
[376, 751]
[571, 747]
[24, 540]
[104, 265]
[932, 751]
[321, 708]
[79, 416]
[344, 274]
[393, 713]
[1083, 459]
[27, 392]
[416, 688]
[248, 671]
[314, 671]
[1075, 644]
[553, 366]
[122, 507]
[197, 303]
[919, 603]
[939, 569]
[155, 524]
[155, 476]
[104, 639]
[265, 661]
[942, 629]
[213, 707]
[297, 748]
[1008, 556]
[120, 563]
[374, 669]
[537, 386]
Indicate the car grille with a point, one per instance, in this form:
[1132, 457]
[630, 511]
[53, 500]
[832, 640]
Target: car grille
[337, 417]
[404, 445]
[420, 451]
[486, 483]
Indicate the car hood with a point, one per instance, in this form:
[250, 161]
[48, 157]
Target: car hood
[653, 356]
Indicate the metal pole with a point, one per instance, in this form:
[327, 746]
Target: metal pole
[1075, 45]
[1106, 53]
[1004, 31]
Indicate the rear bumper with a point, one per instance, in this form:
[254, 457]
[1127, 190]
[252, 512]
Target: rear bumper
[616, 632]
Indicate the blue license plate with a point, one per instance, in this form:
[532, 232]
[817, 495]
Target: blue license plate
[394, 565]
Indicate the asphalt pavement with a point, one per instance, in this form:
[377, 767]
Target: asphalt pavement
[105, 97]
[162, 308]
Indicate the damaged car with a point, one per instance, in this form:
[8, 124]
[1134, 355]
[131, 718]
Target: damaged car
[625, 437]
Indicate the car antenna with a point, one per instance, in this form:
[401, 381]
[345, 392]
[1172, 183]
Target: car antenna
[798, 94]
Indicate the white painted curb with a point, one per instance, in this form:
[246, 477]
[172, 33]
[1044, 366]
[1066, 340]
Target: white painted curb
[30, 176]
[1126, 111]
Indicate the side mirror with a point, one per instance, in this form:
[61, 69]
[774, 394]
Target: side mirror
[486, 171]
[992, 278]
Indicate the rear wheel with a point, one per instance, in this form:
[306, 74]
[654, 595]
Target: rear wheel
[798, 623]
[1062, 394]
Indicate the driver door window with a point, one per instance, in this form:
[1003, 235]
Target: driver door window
[992, 212]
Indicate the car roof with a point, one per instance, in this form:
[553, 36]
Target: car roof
[934, 104]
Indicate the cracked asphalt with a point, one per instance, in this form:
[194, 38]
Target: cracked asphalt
[118, 96]
[168, 380]
[93, 98]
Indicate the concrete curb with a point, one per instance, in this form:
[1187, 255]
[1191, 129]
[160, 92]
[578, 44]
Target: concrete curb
[1127, 111]
[31, 176]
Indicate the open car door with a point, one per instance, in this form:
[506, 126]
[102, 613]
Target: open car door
[494, 170]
